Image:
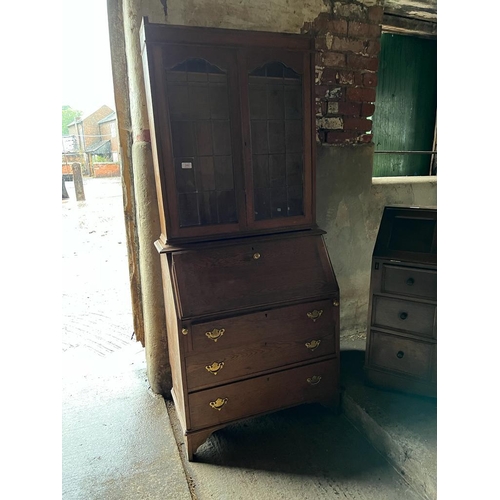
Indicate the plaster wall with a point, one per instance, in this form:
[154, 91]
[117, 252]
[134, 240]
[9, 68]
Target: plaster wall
[349, 204]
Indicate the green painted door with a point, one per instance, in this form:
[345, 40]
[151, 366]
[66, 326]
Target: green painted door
[405, 106]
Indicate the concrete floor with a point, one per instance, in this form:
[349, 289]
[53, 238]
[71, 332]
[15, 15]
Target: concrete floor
[120, 441]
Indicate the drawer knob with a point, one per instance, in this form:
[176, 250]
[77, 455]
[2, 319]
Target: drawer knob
[314, 315]
[403, 315]
[256, 255]
[215, 367]
[185, 331]
[336, 303]
[410, 281]
[315, 380]
[218, 403]
[313, 344]
[215, 334]
[400, 354]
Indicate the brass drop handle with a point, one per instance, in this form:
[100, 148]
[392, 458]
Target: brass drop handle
[410, 281]
[314, 315]
[315, 380]
[313, 344]
[218, 403]
[403, 315]
[256, 255]
[215, 367]
[400, 354]
[215, 334]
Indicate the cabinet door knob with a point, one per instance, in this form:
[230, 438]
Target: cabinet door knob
[256, 255]
[336, 303]
[185, 331]
[215, 367]
[403, 315]
[218, 403]
[410, 281]
[215, 334]
[400, 354]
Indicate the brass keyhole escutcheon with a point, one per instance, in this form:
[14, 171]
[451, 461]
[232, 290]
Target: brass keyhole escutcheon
[313, 344]
[215, 367]
[218, 403]
[215, 334]
[314, 315]
[315, 380]
[256, 255]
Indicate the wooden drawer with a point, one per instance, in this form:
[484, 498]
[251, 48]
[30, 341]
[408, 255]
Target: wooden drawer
[204, 370]
[412, 317]
[251, 274]
[274, 325]
[409, 357]
[409, 281]
[263, 394]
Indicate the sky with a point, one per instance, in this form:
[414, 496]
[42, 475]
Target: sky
[86, 63]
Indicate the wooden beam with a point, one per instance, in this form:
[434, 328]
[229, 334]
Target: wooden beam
[406, 26]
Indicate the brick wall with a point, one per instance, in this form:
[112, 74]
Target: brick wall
[106, 169]
[347, 48]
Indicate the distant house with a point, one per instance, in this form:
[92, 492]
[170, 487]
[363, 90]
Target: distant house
[96, 138]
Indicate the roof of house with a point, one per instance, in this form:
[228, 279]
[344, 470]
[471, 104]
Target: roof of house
[109, 118]
[99, 148]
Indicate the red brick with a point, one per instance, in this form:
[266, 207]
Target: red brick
[321, 90]
[363, 30]
[329, 75]
[375, 14]
[360, 94]
[340, 136]
[372, 48]
[349, 108]
[348, 45]
[320, 43]
[365, 138]
[357, 124]
[367, 109]
[324, 23]
[337, 59]
[370, 79]
[358, 78]
[355, 61]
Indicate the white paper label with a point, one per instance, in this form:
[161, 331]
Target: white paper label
[186, 165]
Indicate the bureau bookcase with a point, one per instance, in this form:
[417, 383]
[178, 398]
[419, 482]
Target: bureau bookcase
[252, 301]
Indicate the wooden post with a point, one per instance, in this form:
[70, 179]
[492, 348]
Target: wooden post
[78, 180]
[65, 194]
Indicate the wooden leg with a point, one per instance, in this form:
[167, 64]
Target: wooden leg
[194, 440]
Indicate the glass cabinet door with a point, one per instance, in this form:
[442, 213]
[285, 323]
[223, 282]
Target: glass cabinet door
[204, 154]
[279, 175]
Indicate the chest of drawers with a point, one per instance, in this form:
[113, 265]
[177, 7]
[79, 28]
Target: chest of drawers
[252, 328]
[402, 334]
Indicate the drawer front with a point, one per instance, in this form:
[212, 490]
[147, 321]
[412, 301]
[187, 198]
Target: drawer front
[282, 324]
[404, 315]
[206, 370]
[409, 281]
[262, 394]
[398, 354]
[235, 277]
